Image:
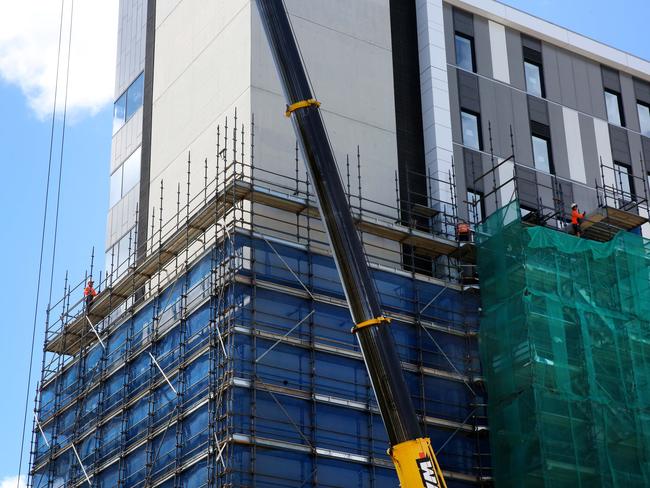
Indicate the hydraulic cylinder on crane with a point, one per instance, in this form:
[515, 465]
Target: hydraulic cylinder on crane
[410, 451]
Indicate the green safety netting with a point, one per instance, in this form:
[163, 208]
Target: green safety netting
[565, 345]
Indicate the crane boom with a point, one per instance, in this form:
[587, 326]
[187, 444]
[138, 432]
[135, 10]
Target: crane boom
[410, 451]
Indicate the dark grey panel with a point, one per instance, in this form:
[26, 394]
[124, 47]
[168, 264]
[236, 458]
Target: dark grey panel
[596, 90]
[565, 194]
[147, 115]
[496, 110]
[521, 128]
[537, 110]
[638, 169]
[589, 149]
[611, 80]
[482, 47]
[645, 143]
[558, 141]
[531, 43]
[468, 94]
[620, 145]
[551, 73]
[454, 106]
[448, 22]
[463, 22]
[628, 98]
[527, 187]
[515, 59]
[473, 165]
[581, 83]
[642, 90]
[567, 84]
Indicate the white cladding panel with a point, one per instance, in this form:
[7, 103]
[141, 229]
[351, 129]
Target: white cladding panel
[499, 51]
[436, 116]
[574, 145]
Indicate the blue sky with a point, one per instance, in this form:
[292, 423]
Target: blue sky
[24, 141]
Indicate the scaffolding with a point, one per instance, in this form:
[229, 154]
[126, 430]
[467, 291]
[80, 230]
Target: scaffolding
[218, 352]
[565, 346]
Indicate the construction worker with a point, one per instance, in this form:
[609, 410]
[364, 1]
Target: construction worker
[576, 219]
[89, 294]
[463, 231]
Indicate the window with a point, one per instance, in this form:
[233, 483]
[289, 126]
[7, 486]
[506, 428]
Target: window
[623, 182]
[464, 52]
[125, 177]
[541, 154]
[614, 108]
[644, 118]
[475, 206]
[534, 81]
[471, 130]
[134, 96]
[119, 113]
[128, 103]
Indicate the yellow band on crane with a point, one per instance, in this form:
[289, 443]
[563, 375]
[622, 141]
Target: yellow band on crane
[312, 102]
[367, 323]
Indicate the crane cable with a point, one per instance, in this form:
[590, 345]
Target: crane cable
[40, 262]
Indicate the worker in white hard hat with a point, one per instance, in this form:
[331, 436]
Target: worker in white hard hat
[576, 219]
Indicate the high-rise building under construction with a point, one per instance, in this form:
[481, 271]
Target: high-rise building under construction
[218, 351]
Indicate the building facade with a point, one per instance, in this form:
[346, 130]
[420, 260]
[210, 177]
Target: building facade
[218, 352]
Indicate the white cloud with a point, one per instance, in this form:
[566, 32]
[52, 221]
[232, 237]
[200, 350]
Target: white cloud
[29, 32]
[12, 482]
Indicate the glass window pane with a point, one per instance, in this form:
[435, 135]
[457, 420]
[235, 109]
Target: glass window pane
[644, 118]
[464, 53]
[131, 171]
[533, 79]
[116, 187]
[135, 96]
[119, 113]
[540, 154]
[613, 115]
[470, 130]
[622, 175]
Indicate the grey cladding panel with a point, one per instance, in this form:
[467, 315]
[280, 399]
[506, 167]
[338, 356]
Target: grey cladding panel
[596, 90]
[468, 94]
[628, 98]
[645, 143]
[642, 90]
[558, 141]
[611, 80]
[636, 151]
[454, 105]
[448, 20]
[565, 73]
[521, 128]
[482, 47]
[515, 59]
[463, 22]
[620, 145]
[527, 187]
[589, 149]
[537, 110]
[551, 73]
[581, 82]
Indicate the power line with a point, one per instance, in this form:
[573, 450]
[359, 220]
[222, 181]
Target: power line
[40, 261]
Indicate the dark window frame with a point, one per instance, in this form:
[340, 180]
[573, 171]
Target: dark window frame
[471, 47]
[479, 129]
[619, 100]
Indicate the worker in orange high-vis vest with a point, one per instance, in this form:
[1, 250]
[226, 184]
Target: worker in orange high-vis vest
[89, 294]
[576, 219]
